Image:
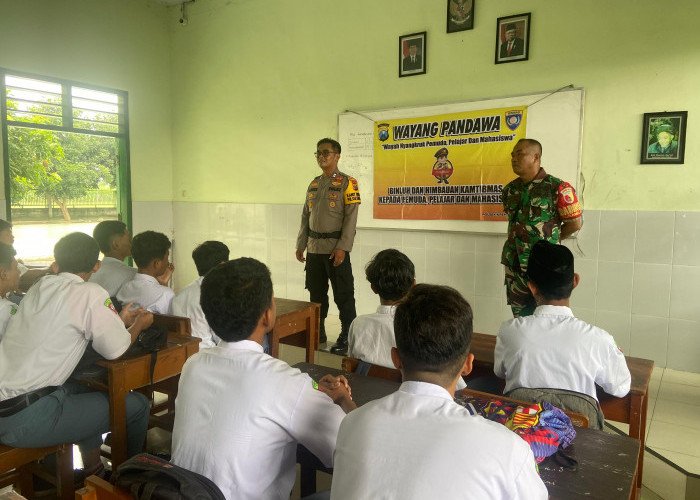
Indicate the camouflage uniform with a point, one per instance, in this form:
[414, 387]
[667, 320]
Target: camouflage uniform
[536, 211]
[328, 222]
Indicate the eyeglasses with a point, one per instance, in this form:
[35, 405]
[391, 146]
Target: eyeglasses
[324, 153]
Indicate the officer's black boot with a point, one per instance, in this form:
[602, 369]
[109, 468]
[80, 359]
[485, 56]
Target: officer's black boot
[322, 339]
[341, 346]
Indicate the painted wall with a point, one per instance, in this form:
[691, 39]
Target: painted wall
[118, 44]
[255, 84]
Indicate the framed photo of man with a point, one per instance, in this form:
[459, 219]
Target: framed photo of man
[412, 54]
[663, 137]
[513, 38]
[460, 15]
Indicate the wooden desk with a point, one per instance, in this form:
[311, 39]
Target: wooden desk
[630, 409]
[607, 463]
[124, 375]
[297, 324]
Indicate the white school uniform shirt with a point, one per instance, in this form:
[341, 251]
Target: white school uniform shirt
[186, 303]
[552, 349]
[112, 274]
[145, 291]
[239, 415]
[48, 335]
[417, 443]
[371, 337]
[7, 310]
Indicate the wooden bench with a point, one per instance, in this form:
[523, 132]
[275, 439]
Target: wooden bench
[18, 466]
[99, 489]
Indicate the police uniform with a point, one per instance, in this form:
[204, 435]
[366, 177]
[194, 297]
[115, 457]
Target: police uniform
[328, 222]
[535, 211]
[42, 346]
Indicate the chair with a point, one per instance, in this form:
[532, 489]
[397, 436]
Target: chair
[17, 466]
[354, 365]
[99, 489]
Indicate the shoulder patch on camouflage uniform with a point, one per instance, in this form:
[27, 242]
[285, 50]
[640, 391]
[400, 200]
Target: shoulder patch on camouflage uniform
[352, 192]
[567, 203]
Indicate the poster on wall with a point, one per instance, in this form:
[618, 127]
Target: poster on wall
[445, 167]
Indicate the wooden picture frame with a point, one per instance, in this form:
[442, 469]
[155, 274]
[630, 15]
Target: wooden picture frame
[663, 137]
[460, 15]
[412, 54]
[512, 38]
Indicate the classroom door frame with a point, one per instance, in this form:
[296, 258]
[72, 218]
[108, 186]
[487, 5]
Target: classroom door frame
[123, 171]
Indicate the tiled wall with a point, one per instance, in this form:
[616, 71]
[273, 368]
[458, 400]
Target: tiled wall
[640, 279]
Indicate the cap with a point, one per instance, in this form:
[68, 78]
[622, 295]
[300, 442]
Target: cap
[441, 152]
[550, 266]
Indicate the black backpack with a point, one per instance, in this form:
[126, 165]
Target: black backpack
[148, 477]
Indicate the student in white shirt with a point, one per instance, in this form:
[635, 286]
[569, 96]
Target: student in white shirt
[115, 243]
[186, 303]
[418, 443]
[391, 275]
[151, 251]
[240, 412]
[43, 344]
[551, 354]
[9, 279]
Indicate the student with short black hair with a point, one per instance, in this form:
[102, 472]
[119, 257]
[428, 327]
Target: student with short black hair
[553, 356]
[240, 412]
[186, 302]
[150, 251]
[43, 344]
[418, 443]
[9, 280]
[115, 243]
[391, 275]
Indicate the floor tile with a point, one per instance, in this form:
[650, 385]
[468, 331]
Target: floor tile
[673, 437]
[683, 393]
[679, 377]
[662, 479]
[677, 413]
[688, 462]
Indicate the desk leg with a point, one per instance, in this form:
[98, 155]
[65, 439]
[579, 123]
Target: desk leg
[638, 423]
[117, 416]
[312, 332]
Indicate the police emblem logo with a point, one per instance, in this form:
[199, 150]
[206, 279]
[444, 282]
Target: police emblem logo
[331, 204]
[513, 119]
[314, 184]
[311, 204]
[311, 195]
[354, 184]
[383, 131]
[336, 183]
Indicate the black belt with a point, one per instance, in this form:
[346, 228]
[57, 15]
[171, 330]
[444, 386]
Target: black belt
[324, 236]
[14, 405]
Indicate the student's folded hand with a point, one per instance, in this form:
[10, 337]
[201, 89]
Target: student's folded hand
[337, 388]
[128, 315]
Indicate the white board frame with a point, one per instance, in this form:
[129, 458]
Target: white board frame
[555, 118]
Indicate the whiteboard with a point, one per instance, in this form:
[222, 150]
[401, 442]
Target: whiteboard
[555, 118]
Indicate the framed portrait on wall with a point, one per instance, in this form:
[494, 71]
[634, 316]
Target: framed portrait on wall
[412, 54]
[513, 38]
[460, 15]
[663, 137]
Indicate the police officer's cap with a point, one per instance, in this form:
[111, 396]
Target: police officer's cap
[441, 152]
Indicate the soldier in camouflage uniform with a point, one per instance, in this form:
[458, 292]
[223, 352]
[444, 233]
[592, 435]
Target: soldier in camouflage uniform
[327, 231]
[538, 206]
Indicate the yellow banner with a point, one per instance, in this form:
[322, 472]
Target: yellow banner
[451, 166]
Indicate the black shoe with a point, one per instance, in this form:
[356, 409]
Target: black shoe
[341, 346]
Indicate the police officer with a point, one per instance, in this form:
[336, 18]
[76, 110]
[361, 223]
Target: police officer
[327, 232]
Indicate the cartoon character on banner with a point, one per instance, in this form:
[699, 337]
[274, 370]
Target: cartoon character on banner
[442, 168]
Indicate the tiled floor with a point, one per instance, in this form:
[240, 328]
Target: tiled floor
[672, 417]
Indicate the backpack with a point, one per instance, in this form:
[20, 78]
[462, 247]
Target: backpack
[148, 477]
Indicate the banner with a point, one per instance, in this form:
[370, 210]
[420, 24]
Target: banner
[450, 167]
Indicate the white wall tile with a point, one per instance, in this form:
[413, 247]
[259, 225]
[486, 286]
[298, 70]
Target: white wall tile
[614, 287]
[462, 272]
[462, 242]
[651, 289]
[437, 260]
[685, 290]
[487, 314]
[488, 275]
[687, 238]
[414, 239]
[684, 345]
[617, 230]
[584, 314]
[616, 324]
[654, 237]
[584, 295]
[488, 243]
[649, 338]
[585, 244]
